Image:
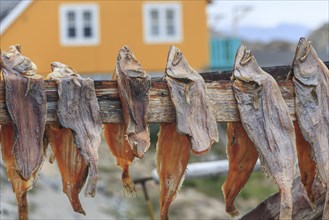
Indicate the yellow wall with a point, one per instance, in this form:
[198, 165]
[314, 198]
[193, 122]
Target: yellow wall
[121, 22]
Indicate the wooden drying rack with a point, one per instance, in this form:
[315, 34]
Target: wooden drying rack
[219, 88]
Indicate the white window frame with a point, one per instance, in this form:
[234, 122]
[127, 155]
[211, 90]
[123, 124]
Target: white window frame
[163, 37]
[78, 9]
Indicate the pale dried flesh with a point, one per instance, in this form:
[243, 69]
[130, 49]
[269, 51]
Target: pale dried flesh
[305, 162]
[78, 110]
[72, 166]
[194, 116]
[121, 150]
[311, 81]
[134, 85]
[266, 119]
[173, 153]
[20, 187]
[27, 105]
[242, 156]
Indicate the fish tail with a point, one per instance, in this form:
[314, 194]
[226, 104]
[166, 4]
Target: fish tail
[229, 201]
[92, 181]
[164, 214]
[73, 196]
[23, 206]
[128, 184]
[286, 204]
[325, 214]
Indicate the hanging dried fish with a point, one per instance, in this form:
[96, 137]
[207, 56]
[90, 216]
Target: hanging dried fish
[134, 85]
[305, 162]
[242, 156]
[266, 119]
[115, 138]
[188, 93]
[72, 166]
[20, 187]
[173, 153]
[311, 81]
[27, 105]
[78, 110]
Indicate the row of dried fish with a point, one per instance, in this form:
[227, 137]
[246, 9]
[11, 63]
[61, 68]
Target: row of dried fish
[74, 140]
[266, 129]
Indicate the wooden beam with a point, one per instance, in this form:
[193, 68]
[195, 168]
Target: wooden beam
[161, 108]
[219, 90]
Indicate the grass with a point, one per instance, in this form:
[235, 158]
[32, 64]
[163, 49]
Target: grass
[258, 188]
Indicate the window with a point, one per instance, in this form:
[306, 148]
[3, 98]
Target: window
[79, 24]
[162, 22]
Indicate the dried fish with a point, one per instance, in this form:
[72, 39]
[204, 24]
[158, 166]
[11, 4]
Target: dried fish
[242, 156]
[115, 138]
[173, 153]
[20, 187]
[266, 119]
[72, 166]
[311, 81]
[78, 110]
[305, 162]
[188, 93]
[134, 85]
[27, 105]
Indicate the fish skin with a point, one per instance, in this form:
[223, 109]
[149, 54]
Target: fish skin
[242, 156]
[78, 110]
[193, 112]
[60, 70]
[311, 81]
[27, 105]
[72, 166]
[307, 166]
[121, 150]
[266, 119]
[20, 187]
[134, 85]
[173, 153]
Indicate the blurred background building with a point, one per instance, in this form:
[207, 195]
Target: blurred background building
[87, 35]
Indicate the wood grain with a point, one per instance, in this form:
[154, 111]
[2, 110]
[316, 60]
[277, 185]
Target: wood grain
[220, 94]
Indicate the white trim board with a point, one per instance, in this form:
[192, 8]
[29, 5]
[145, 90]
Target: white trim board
[162, 37]
[14, 14]
[79, 39]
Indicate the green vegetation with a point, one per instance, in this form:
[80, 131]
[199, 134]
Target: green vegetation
[258, 188]
[209, 186]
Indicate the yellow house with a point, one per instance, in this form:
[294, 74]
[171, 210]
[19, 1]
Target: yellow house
[88, 34]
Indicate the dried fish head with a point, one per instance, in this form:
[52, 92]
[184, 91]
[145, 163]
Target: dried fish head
[178, 68]
[60, 71]
[129, 64]
[13, 61]
[304, 69]
[302, 50]
[246, 67]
